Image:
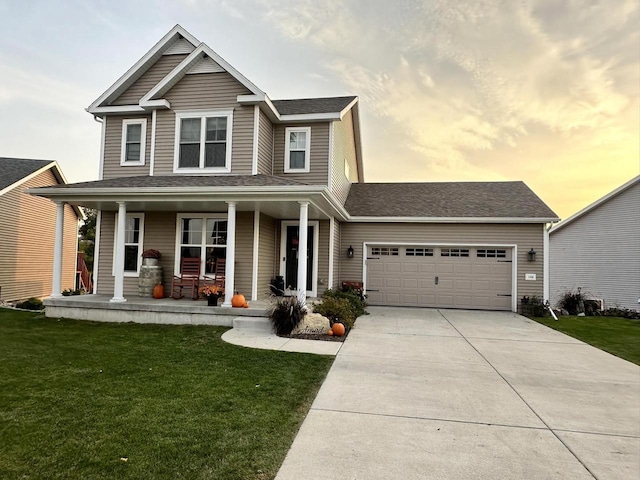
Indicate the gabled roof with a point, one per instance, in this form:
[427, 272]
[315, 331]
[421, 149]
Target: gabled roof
[448, 201]
[313, 105]
[596, 204]
[12, 170]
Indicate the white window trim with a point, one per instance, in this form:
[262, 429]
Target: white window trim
[143, 142]
[287, 160]
[203, 245]
[140, 244]
[203, 115]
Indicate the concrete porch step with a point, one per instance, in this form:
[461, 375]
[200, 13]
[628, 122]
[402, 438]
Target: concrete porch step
[262, 324]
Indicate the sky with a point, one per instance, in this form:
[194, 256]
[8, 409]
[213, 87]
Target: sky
[546, 91]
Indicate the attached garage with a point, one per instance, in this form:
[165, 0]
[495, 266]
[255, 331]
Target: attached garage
[447, 276]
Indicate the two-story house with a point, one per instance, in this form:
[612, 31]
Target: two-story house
[197, 161]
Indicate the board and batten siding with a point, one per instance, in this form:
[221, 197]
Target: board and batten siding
[344, 151]
[149, 79]
[27, 237]
[525, 236]
[113, 148]
[206, 91]
[600, 253]
[160, 234]
[319, 154]
[265, 145]
[267, 255]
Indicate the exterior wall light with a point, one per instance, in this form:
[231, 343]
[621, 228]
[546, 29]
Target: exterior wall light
[350, 252]
[531, 255]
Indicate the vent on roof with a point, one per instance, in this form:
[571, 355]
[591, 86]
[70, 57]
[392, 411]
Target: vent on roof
[180, 47]
[206, 65]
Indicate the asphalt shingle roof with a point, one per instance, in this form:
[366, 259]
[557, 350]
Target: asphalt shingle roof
[312, 105]
[160, 181]
[14, 169]
[446, 200]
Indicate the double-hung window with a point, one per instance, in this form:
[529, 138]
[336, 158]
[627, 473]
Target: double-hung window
[203, 142]
[134, 136]
[297, 148]
[133, 241]
[203, 237]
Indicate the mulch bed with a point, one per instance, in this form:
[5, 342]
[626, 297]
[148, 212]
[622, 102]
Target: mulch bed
[313, 336]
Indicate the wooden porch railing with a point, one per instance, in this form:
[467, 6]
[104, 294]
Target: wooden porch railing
[84, 277]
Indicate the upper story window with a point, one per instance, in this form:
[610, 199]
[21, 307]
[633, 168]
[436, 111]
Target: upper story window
[298, 145]
[134, 135]
[203, 142]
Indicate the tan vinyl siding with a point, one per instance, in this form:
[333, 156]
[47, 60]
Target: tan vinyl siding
[525, 236]
[149, 79]
[207, 91]
[244, 253]
[27, 237]
[323, 257]
[319, 155]
[600, 253]
[267, 255]
[344, 150]
[336, 254]
[160, 234]
[113, 148]
[265, 145]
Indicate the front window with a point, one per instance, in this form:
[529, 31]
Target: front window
[134, 134]
[133, 241]
[203, 142]
[204, 238]
[297, 148]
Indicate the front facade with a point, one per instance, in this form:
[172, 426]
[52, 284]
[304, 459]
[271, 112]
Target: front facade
[197, 162]
[27, 231]
[598, 250]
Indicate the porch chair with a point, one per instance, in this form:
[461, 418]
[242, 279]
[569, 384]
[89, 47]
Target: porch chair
[219, 277]
[189, 276]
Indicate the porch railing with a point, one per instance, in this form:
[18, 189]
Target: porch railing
[82, 272]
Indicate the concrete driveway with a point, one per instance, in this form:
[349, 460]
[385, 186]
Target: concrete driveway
[450, 394]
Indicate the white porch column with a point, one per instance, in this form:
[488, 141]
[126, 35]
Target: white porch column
[302, 252]
[230, 268]
[118, 284]
[56, 284]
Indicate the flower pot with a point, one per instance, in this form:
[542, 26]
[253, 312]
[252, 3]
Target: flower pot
[212, 300]
[150, 262]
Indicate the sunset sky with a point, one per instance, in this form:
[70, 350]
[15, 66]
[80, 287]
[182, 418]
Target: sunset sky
[547, 92]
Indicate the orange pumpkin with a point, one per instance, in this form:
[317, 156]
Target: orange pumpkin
[238, 300]
[330, 333]
[158, 291]
[246, 305]
[338, 329]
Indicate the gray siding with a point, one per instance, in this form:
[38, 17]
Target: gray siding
[113, 148]
[244, 253]
[149, 79]
[27, 233]
[265, 145]
[267, 255]
[600, 253]
[525, 236]
[207, 91]
[319, 155]
[336, 254]
[344, 151]
[323, 257]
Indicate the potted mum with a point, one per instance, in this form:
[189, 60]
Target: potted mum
[150, 257]
[212, 293]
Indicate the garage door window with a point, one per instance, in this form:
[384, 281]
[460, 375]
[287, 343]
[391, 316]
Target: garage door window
[492, 253]
[384, 251]
[419, 252]
[454, 252]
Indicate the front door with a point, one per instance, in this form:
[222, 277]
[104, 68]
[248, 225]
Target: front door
[290, 254]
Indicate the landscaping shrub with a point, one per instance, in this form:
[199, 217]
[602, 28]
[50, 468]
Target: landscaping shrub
[356, 299]
[570, 301]
[533, 307]
[622, 313]
[286, 314]
[71, 292]
[336, 310]
[32, 303]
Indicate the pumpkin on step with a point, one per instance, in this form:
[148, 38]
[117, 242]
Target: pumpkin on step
[158, 291]
[238, 300]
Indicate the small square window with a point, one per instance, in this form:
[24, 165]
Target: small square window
[297, 149]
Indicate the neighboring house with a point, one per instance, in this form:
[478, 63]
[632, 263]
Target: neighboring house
[199, 162]
[27, 231]
[598, 250]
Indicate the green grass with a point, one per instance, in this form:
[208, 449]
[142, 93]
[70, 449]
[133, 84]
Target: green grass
[618, 336]
[175, 401]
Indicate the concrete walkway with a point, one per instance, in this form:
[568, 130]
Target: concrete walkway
[444, 394]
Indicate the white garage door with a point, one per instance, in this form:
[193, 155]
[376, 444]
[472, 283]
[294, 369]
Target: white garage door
[440, 277]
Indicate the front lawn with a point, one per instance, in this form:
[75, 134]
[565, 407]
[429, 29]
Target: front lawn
[98, 400]
[618, 336]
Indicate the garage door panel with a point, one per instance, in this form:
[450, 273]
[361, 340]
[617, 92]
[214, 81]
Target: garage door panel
[427, 268]
[444, 268]
[410, 283]
[462, 269]
[410, 268]
[392, 282]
